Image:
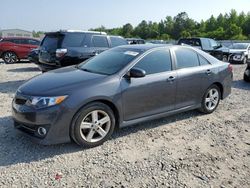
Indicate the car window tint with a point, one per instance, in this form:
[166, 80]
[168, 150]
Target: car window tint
[24, 41]
[51, 41]
[213, 43]
[186, 58]
[17, 41]
[117, 41]
[100, 41]
[203, 61]
[73, 40]
[206, 44]
[155, 62]
[33, 42]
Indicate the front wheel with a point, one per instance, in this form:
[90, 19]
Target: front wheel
[93, 125]
[247, 75]
[244, 61]
[10, 57]
[224, 58]
[210, 100]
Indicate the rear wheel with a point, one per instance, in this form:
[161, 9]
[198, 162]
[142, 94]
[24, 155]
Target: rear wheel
[10, 57]
[93, 125]
[211, 99]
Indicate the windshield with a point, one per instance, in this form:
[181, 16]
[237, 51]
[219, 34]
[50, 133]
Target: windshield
[239, 46]
[110, 61]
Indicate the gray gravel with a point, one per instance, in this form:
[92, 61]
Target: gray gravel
[185, 150]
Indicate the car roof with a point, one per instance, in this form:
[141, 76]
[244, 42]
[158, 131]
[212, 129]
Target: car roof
[145, 47]
[19, 38]
[77, 31]
[134, 39]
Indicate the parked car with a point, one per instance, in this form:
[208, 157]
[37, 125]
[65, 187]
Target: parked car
[33, 56]
[12, 49]
[239, 53]
[247, 73]
[135, 41]
[208, 45]
[64, 48]
[157, 42]
[120, 87]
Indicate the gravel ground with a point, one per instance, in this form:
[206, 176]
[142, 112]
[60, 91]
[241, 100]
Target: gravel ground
[185, 150]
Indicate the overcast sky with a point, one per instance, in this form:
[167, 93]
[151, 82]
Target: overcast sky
[49, 15]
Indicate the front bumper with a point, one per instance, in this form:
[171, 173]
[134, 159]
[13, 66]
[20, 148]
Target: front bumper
[56, 120]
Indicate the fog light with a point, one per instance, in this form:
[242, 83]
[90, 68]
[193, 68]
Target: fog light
[41, 131]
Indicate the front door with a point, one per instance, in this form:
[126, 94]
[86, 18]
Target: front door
[154, 93]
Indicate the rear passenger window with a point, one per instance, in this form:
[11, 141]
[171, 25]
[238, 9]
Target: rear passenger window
[116, 41]
[155, 62]
[203, 61]
[186, 58]
[100, 41]
[73, 39]
[33, 42]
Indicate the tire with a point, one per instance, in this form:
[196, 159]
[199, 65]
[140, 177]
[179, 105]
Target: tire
[10, 57]
[93, 125]
[247, 75]
[244, 61]
[210, 100]
[224, 58]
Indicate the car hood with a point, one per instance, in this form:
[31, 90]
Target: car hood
[61, 79]
[223, 49]
[237, 51]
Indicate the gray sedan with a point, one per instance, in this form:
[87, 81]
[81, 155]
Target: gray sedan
[120, 87]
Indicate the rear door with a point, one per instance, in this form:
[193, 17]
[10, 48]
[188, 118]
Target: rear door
[192, 78]
[26, 45]
[154, 93]
[100, 43]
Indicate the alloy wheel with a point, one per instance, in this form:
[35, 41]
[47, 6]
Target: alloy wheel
[10, 57]
[95, 126]
[212, 99]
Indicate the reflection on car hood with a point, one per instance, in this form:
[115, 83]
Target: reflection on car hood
[57, 79]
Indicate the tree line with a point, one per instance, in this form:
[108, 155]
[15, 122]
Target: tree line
[228, 26]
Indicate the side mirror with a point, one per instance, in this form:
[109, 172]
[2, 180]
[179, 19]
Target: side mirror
[136, 73]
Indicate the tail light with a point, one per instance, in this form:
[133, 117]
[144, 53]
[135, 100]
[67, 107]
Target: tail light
[61, 52]
[230, 68]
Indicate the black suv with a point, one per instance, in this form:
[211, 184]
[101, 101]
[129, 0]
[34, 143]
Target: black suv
[64, 48]
[208, 45]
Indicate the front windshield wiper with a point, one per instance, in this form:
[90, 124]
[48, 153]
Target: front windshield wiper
[92, 71]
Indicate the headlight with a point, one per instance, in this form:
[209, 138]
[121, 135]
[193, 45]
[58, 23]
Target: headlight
[42, 102]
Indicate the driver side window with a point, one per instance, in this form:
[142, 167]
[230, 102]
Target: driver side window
[155, 62]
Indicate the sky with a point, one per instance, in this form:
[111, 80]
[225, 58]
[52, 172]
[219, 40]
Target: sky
[51, 15]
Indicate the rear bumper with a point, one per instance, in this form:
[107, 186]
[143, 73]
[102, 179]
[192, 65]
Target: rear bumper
[227, 86]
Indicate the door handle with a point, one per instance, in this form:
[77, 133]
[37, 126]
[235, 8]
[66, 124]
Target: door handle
[208, 72]
[171, 79]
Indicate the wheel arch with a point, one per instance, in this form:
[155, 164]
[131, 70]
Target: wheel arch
[220, 86]
[106, 102]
